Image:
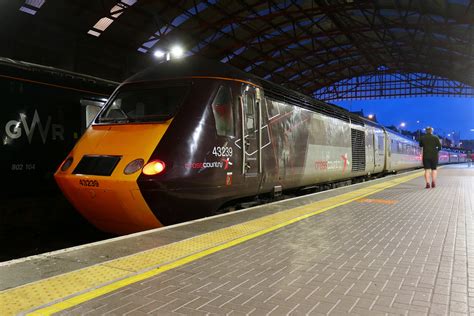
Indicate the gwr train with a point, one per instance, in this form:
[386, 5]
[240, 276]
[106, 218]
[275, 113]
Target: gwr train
[183, 139]
[43, 110]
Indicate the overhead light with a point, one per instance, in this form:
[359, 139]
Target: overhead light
[370, 116]
[177, 51]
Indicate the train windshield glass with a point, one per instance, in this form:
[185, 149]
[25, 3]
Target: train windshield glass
[136, 104]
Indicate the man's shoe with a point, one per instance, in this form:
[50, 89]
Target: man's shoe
[433, 185]
[427, 185]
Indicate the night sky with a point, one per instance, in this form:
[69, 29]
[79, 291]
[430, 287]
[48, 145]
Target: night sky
[445, 114]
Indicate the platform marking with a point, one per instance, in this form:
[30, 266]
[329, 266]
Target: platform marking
[64, 291]
[378, 201]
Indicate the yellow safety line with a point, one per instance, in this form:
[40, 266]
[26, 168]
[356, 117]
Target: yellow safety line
[67, 290]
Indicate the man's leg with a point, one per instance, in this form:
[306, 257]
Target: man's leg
[427, 177]
[433, 177]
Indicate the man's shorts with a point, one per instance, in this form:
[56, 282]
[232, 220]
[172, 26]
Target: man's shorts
[430, 164]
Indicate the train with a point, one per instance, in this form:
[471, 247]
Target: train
[44, 111]
[453, 155]
[189, 137]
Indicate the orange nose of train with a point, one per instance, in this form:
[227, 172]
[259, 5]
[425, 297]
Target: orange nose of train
[99, 177]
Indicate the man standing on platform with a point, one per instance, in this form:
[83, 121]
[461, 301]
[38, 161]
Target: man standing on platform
[431, 146]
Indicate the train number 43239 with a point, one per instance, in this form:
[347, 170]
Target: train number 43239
[89, 183]
[222, 151]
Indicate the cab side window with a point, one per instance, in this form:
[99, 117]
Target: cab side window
[223, 112]
[250, 114]
[90, 109]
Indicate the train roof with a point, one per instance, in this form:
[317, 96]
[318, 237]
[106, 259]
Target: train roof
[189, 67]
[199, 66]
[51, 72]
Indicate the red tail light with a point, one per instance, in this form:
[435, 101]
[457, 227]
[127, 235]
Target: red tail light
[154, 167]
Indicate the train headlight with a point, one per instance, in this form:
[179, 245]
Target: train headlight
[66, 164]
[154, 167]
[134, 166]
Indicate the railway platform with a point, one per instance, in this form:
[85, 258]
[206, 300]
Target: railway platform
[383, 247]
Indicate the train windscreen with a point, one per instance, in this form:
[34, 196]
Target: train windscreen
[137, 104]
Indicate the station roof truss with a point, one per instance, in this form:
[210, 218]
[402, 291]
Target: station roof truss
[330, 49]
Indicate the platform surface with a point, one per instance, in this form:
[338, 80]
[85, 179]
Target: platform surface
[387, 246]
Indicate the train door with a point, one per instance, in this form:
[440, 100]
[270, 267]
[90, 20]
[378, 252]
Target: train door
[370, 149]
[388, 153]
[379, 148]
[252, 139]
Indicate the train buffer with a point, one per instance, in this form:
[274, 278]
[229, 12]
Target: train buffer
[383, 246]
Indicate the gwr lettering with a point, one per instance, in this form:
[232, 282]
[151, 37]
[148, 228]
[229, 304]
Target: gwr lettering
[14, 129]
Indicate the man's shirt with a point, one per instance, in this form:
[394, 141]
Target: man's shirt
[431, 146]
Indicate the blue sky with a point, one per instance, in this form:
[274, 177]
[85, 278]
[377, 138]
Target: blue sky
[445, 114]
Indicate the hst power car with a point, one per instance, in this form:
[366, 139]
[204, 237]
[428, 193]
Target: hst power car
[188, 137]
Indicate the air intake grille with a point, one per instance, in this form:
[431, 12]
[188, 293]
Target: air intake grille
[358, 150]
[97, 165]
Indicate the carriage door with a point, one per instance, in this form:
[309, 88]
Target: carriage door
[251, 122]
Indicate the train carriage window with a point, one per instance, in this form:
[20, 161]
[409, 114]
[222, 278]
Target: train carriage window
[223, 112]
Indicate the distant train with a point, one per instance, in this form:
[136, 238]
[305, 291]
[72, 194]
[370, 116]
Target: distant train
[188, 137]
[43, 112]
[452, 155]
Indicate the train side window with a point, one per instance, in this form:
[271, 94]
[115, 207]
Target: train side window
[394, 146]
[223, 112]
[380, 143]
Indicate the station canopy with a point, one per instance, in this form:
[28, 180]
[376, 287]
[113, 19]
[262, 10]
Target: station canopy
[328, 49]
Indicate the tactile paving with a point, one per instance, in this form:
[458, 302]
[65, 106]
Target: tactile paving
[75, 287]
